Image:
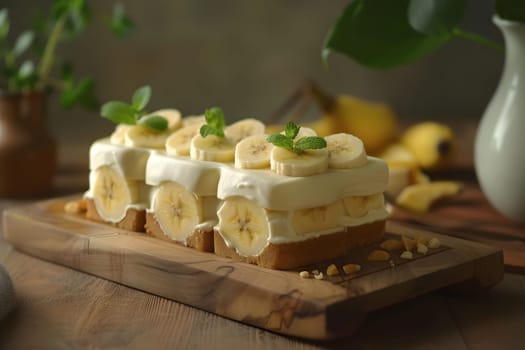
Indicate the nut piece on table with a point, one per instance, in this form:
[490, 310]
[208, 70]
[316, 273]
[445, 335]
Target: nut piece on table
[332, 270]
[391, 245]
[378, 255]
[351, 268]
[422, 249]
[407, 254]
[409, 243]
[304, 274]
[434, 243]
[78, 206]
[318, 276]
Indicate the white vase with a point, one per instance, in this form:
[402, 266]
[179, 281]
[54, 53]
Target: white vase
[500, 140]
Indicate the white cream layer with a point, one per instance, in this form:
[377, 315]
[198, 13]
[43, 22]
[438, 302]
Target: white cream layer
[130, 161]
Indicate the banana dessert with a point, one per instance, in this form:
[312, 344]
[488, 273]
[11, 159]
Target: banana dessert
[279, 201]
[117, 192]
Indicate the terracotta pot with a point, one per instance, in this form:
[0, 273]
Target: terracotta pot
[27, 151]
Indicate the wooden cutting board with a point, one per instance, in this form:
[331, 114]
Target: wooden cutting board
[278, 301]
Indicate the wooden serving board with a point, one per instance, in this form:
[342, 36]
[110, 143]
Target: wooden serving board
[278, 301]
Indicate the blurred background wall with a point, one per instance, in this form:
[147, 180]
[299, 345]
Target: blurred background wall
[248, 57]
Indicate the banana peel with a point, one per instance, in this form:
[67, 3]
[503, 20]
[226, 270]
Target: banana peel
[419, 198]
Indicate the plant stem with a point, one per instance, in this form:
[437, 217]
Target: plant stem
[46, 63]
[477, 39]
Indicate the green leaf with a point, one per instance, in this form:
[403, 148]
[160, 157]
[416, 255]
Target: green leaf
[309, 142]
[121, 25]
[291, 130]
[4, 23]
[81, 94]
[26, 69]
[155, 122]
[512, 10]
[281, 140]
[23, 42]
[214, 122]
[119, 112]
[141, 98]
[435, 17]
[376, 33]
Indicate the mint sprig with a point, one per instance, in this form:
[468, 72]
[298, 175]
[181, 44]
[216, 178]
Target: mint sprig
[287, 141]
[123, 113]
[214, 122]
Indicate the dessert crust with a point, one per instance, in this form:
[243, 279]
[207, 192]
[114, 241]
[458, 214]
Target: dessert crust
[295, 254]
[134, 220]
[201, 240]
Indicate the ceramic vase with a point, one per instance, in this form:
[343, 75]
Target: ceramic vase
[500, 140]
[27, 151]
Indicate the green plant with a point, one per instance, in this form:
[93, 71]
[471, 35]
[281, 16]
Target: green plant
[287, 140]
[131, 114]
[388, 33]
[31, 62]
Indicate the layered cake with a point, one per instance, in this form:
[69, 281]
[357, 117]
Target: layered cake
[278, 201]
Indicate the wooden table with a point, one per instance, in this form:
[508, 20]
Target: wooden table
[60, 308]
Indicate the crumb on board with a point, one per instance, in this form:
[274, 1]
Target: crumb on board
[391, 244]
[407, 254]
[318, 276]
[78, 206]
[409, 243]
[332, 270]
[392, 263]
[378, 255]
[304, 274]
[422, 249]
[434, 243]
[351, 268]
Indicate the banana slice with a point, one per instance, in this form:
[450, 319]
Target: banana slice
[304, 132]
[212, 148]
[309, 162]
[178, 143]
[244, 128]
[318, 219]
[358, 206]
[111, 193]
[193, 119]
[419, 198]
[143, 136]
[345, 151]
[177, 210]
[173, 117]
[118, 136]
[253, 152]
[243, 225]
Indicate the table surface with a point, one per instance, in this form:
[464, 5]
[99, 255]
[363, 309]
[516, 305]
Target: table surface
[60, 308]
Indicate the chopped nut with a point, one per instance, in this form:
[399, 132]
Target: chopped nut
[409, 243]
[315, 272]
[332, 270]
[422, 240]
[407, 254]
[392, 263]
[422, 249]
[378, 255]
[351, 268]
[304, 274]
[391, 245]
[319, 276]
[434, 243]
[75, 207]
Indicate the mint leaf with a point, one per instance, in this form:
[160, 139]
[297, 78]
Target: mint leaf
[155, 122]
[23, 42]
[121, 25]
[119, 112]
[141, 98]
[281, 140]
[309, 142]
[291, 130]
[214, 122]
